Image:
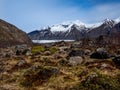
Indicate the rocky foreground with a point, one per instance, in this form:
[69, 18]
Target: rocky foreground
[60, 66]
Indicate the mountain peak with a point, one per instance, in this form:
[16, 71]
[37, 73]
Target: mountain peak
[108, 20]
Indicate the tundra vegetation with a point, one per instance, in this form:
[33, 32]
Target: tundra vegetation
[61, 66]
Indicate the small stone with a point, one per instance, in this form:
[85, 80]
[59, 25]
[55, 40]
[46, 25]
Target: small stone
[21, 63]
[47, 53]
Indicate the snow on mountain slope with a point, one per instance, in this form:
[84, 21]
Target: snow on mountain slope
[59, 28]
[77, 22]
[65, 26]
[117, 20]
[95, 25]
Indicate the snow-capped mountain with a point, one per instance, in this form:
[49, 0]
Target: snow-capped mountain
[76, 30]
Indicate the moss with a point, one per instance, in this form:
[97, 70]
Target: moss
[53, 50]
[36, 49]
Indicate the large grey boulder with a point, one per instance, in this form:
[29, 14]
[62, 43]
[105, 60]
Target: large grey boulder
[75, 60]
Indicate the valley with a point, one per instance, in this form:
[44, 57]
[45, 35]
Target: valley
[80, 64]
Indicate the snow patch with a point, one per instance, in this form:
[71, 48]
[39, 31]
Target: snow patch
[95, 25]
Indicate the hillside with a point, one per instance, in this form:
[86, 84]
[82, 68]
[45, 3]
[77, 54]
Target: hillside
[11, 35]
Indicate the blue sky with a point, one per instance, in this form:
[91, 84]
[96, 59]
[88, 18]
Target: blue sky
[29, 15]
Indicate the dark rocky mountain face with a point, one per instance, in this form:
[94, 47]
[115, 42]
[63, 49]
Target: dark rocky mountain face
[116, 28]
[105, 29]
[75, 33]
[11, 35]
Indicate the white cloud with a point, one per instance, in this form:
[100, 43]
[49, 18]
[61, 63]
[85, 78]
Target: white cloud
[52, 15]
[101, 12]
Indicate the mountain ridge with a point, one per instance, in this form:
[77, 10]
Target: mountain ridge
[75, 30]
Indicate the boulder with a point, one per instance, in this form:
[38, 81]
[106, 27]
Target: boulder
[75, 60]
[76, 45]
[100, 53]
[101, 49]
[9, 53]
[47, 53]
[117, 52]
[57, 56]
[27, 52]
[21, 63]
[23, 50]
[92, 76]
[116, 60]
[76, 53]
[87, 52]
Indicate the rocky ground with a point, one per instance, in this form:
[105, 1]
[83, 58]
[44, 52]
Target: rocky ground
[60, 66]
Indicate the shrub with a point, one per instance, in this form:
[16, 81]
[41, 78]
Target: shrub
[97, 82]
[37, 75]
